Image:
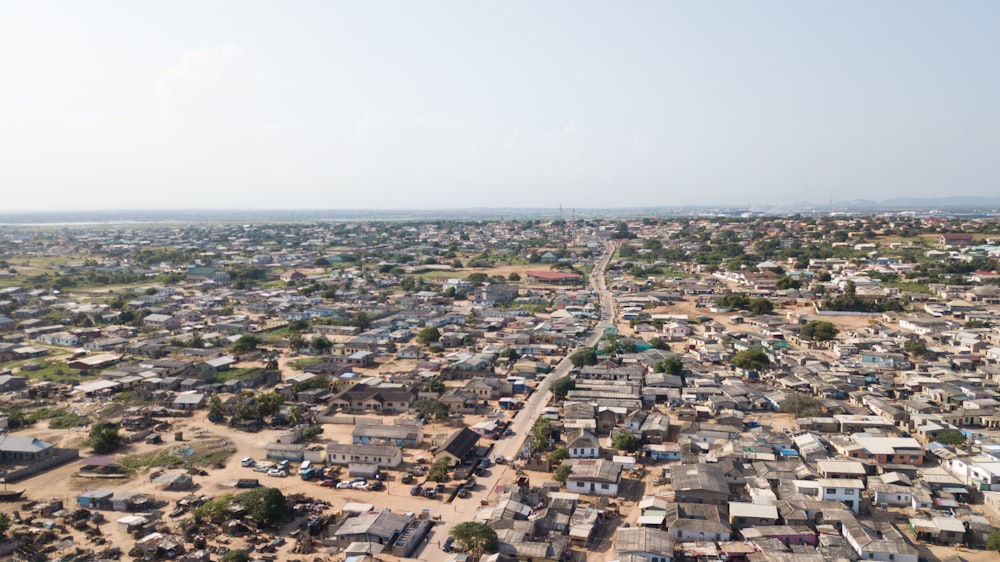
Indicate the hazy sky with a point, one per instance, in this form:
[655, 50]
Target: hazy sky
[433, 104]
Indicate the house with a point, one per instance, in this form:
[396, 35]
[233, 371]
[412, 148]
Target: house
[401, 435]
[188, 401]
[162, 322]
[954, 239]
[699, 483]
[385, 456]
[694, 522]
[844, 490]
[583, 445]
[293, 276]
[597, 477]
[645, 544]
[743, 515]
[460, 445]
[553, 277]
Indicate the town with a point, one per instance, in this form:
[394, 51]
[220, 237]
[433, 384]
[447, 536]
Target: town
[739, 388]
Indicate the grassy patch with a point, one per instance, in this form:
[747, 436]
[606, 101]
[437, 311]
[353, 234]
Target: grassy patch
[909, 286]
[212, 459]
[58, 418]
[133, 464]
[301, 364]
[53, 370]
[235, 374]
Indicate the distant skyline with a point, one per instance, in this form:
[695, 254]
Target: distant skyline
[428, 105]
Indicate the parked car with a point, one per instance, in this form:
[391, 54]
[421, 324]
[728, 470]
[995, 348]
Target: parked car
[248, 461]
[447, 544]
[407, 478]
[343, 485]
[499, 459]
[261, 468]
[329, 482]
[360, 485]
[381, 476]
[276, 472]
[430, 493]
[416, 490]
[462, 493]
[375, 486]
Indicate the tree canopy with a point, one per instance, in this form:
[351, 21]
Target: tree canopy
[819, 330]
[802, 405]
[561, 386]
[950, 438]
[582, 357]
[751, 360]
[429, 334]
[626, 441]
[439, 470]
[246, 344]
[562, 473]
[104, 438]
[474, 537]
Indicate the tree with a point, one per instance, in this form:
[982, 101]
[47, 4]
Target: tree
[819, 330]
[514, 277]
[671, 366]
[510, 354]
[320, 344]
[429, 334]
[104, 438]
[246, 344]
[751, 360]
[658, 343]
[237, 555]
[915, 348]
[433, 384]
[439, 470]
[585, 356]
[361, 320]
[558, 455]
[265, 505]
[215, 411]
[802, 405]
[475, 538]
[626, 441]
[562, 473]
[953, 438]
[761, 306]
[4, 523]
[993, 542]
[561, 387]
[541, 434]
[786, 282]
[433, 409]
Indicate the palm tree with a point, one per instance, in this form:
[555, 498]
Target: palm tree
[271, 364]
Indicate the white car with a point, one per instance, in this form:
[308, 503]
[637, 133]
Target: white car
[248, 461]
[343, 485]
[276, 472]
[360, 485]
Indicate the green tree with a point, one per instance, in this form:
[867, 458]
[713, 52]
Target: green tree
[562, 473]
[786, 282]
[915, 348]
[265, 505]
[658, 343]
[541, 434]
[104, 438]
[320, 344]
[558, 455]
[361, 320]
[4, 523]
[954, 438]
[761, 306]
[514, 277]
[561, 387]
[216, 412]
[819, 330]
[433, 409]
[626, 441]
[246, 344]
[475, 538]
[801, 405]
[670, 365]
[585, 356]
[429, 334]
[510, 353]
[433, 384]
[993, 542]
[751, 360]
[236, 555]
[439, 470]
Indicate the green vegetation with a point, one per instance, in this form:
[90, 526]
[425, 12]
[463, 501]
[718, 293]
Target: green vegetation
[626, 441]
[433, 409]
[562, 473]
[582, 357]
[58, 418]
[819, 330]
[246, 344]
[4, 523]
[265, 505]
[953, 438]
[429, 334]
[301, 364]
[237, 555]
[670, 365]
[561, 386]
[104, 438]
[541, 434]
[915, 348]
[475, 538]
[240, 374]
[993, 541]
[751, 360]
[439, 470]
[559, 455]
[134, 464]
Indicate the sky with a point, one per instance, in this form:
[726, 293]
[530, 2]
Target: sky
[441, 104]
